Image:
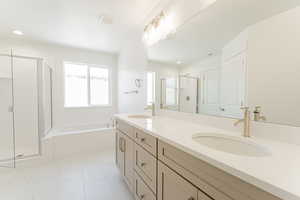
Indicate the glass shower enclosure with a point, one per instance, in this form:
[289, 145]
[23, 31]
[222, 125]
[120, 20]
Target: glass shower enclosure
[25, 113]
[7, 138]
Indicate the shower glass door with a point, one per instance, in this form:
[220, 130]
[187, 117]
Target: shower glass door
[26, 107]
[7, 138]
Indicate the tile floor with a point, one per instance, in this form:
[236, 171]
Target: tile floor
[88, 176]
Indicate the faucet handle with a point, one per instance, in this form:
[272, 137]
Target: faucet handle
[257, 114]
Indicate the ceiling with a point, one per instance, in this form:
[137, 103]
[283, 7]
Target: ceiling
[213, 28]
[75, 22]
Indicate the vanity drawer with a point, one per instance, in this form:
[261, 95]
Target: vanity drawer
[147, 141]
[211, 180]
[145, 166]
[141, 190]
[125, 128]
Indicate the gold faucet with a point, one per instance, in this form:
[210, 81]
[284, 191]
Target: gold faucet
[246, 121]
[152, 108]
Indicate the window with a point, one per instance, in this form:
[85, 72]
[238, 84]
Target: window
[86, 85]
[150, 88]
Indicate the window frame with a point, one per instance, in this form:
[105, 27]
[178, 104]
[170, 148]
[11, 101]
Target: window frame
[89, 105]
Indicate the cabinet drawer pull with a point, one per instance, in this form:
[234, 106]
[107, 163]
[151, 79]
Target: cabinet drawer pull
[122, 144]
[143, 139]
[142, 196]
[143, 164]
[191, 198]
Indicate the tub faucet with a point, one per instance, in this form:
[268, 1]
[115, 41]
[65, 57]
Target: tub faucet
[152, 108]
[246, 122]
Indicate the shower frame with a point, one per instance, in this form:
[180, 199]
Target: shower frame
[39, 78]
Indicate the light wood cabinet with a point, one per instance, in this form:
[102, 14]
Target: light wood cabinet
[129, 161]
[136, 159]
[171, 186]
[141, 189]
[125, 157]
[214, 182]
[156, 170]
[125, 128]
[120, 151]
[145, 165]
[147, 141]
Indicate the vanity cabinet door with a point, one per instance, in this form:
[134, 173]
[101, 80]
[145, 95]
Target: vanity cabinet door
[171, 186]
[120, 156]
[124, 157]
[141, 190]
[129, 161]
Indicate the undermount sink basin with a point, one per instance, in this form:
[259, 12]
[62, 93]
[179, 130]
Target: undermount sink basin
[139, 116]
[231, 144]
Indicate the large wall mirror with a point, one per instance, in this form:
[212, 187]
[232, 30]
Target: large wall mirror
[233, 54]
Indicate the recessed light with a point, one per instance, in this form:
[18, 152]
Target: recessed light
[18, 32]
[178, 62]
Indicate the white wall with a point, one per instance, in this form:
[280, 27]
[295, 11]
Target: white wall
[273, 67]
[55, 55]
[195, 69]
[132, 65]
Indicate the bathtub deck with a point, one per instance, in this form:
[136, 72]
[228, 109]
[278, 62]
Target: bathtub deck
[55, 133]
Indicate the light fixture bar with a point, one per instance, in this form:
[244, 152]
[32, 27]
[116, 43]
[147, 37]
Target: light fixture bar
[160, 28]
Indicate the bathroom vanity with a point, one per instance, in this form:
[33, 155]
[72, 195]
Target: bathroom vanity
[159, 160]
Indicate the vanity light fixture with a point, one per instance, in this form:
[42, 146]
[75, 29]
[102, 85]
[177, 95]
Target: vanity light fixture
[160, 28]
[18, 32]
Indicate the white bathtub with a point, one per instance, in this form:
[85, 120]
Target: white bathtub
[104, 128]
[68, 141]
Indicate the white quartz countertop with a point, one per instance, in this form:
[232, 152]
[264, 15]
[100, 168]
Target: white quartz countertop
[278, 173]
